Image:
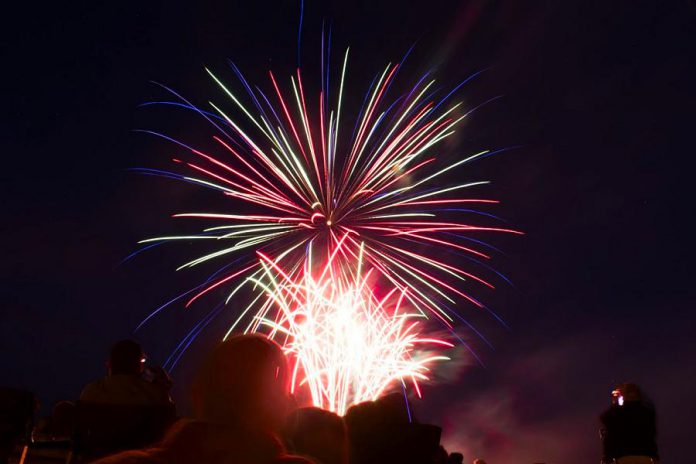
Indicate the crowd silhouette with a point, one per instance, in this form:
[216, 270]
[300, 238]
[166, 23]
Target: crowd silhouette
[243, 413]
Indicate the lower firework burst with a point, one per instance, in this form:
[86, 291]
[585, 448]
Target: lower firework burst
[346, 344]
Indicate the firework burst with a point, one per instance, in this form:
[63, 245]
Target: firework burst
[346, 344]
[378, 189]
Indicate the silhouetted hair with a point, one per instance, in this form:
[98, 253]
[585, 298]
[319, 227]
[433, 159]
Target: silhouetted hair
[126, 357]
[381, 431]
[630, 392]
[244, 381]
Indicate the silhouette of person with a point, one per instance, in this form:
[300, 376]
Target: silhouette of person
[628, 429]
[381, 431]
[318, 434]
[125, 382]
[240, 399]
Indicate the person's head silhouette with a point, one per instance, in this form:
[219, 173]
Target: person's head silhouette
[243, 382]
[626, 392]
[126, 358]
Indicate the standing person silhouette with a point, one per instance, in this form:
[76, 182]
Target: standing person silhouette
[629, 430]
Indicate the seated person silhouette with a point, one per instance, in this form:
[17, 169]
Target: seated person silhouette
[628, 428]
[127, 381]
[240, 398]
[317, 434]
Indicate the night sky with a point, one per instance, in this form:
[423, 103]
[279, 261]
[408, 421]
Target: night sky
[599, 97]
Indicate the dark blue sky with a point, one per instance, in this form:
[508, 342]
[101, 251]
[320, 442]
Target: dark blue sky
[599, 94]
